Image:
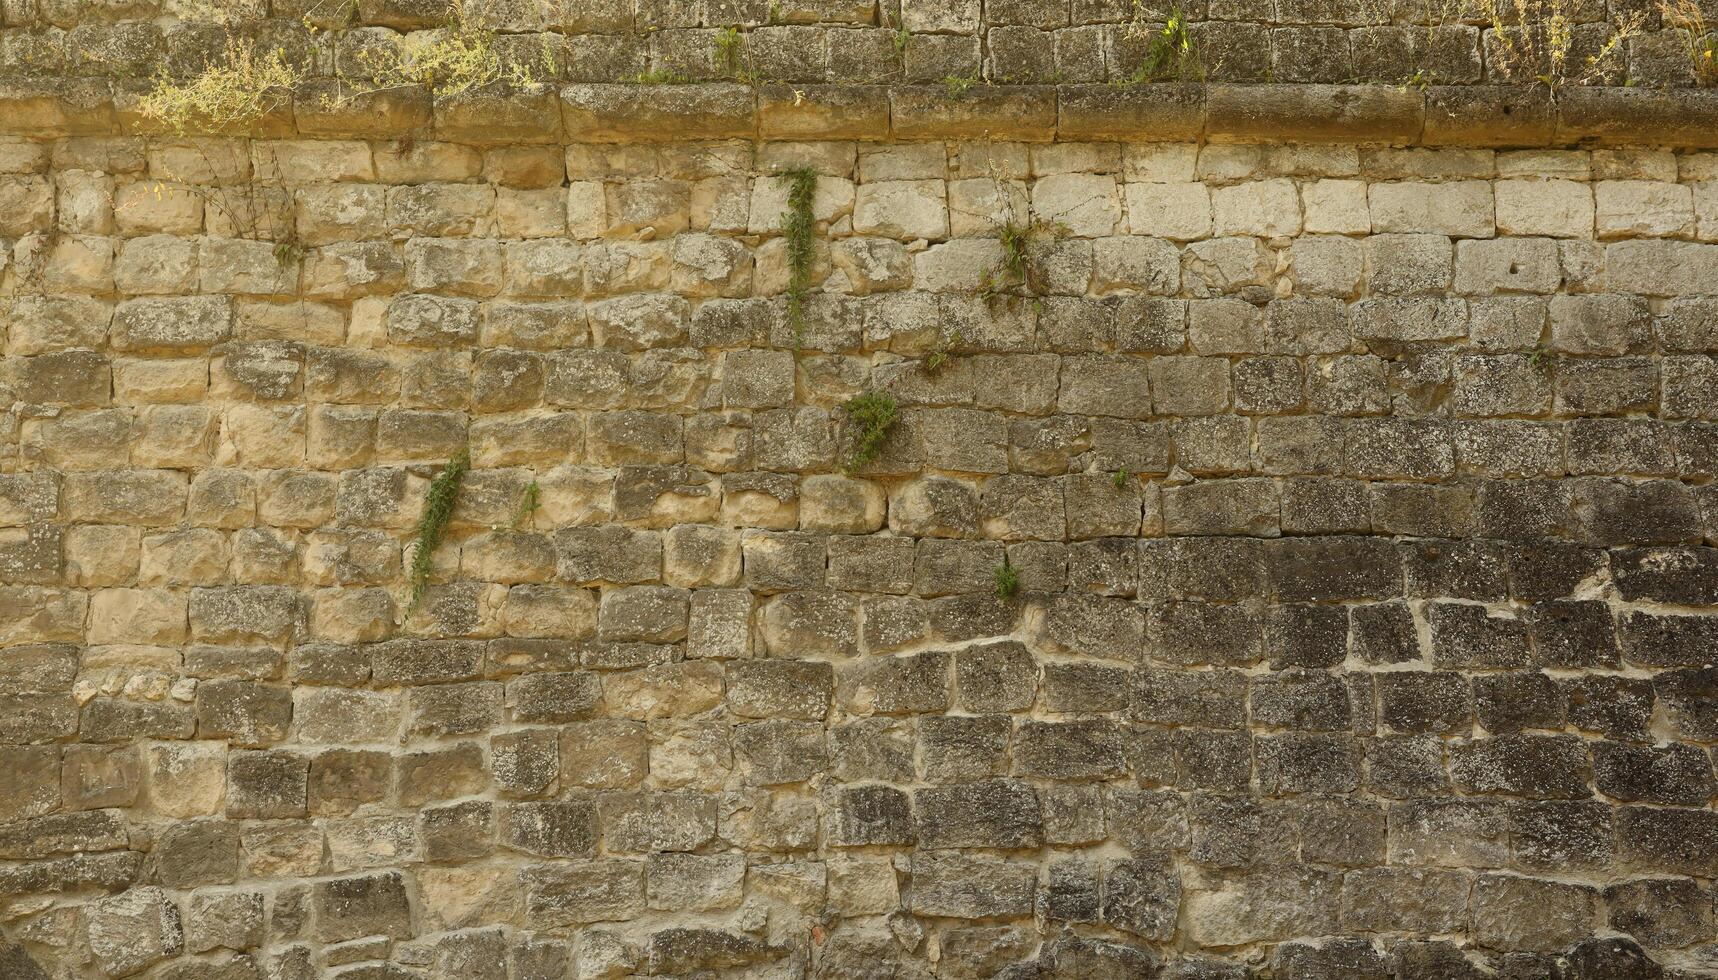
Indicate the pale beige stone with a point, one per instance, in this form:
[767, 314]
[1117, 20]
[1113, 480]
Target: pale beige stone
[262, 436]
[42, 324]
[157, 206]
[312, 161]
[647, 209]
[1326, 265]
[861, 886]
[722, 204]
[188, 556]
[698, 556]
[538, 212]
[1643, 208]
[352, 615]
[1568, 164]
[1230, 161]
[1180, 212]
[1336, 207]
[983, 206]
[1633, 163]
[101, 554]
[963, 265]
[186, 779]
[1706, 209]
[84, 204]
[160, 379]
[137, 616]
[841, 505]
[1461, 208]
[460, 897]
[1073, 158]
[1160, 162]
[1558, 208]
[690, 754]
[156, 265]
[375, 841]
[901, 209]
[273, 849]
[1264, 208]
[1081, 205]
[327, 213]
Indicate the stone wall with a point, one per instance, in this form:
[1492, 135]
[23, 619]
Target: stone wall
[1359, 500]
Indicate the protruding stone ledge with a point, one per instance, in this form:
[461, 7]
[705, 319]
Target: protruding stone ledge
[1612, 116]
[1488, 115]
[1479, 115]
[330, 110]
[814, 112]
[1003, 112]
[615, 113]
[1313, 114]
[500, 115]
[56, 107]
[1141, 112]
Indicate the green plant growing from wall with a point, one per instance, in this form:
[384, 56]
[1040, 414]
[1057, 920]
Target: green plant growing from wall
[1534, 41]
[530, 500]
[799, 227]
[731, 55]
[870, 415]
[959, 85]
[230, 93]
[1121, 478]
[1170, 52]
[1699, 37]
[940, 354]
[1007, 581]
[438, 510]
[1013, 272]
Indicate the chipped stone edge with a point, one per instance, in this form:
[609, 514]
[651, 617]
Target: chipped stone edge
[1478, 115]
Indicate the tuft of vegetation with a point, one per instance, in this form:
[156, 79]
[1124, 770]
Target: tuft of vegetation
[230, 93]
[1699, 37]
[289, 251]
[959, 85]
[871, 414]
[731, 55]
[243, 84]
[1016, 242]
[1013, 272]
[530, 500]
[1007, 581]
[438, 510]
[1171, 52]
[1534, 41]
[799, 225]
[1121, 478]
[939, 355]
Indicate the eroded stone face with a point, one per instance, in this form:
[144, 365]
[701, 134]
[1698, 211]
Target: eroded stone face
[1290, 558]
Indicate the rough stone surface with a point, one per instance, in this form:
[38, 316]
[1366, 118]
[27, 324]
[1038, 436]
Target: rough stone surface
[1300, 563]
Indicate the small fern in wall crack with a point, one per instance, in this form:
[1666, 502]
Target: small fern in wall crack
[1007, 581]
[871, 415]
[438, 510]
[799, 225]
